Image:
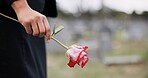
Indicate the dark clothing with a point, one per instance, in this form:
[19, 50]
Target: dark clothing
[22, 55]
[46, 7]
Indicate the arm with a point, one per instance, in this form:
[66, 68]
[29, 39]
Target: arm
[34, 23]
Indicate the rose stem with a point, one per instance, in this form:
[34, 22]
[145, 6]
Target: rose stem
[8, 17]
[59, 43]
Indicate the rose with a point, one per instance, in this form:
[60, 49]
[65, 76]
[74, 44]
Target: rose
[77, 55]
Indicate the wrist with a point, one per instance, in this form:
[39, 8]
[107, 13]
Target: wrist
[18, 5]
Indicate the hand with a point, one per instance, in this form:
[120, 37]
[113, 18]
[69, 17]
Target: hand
[34, 23]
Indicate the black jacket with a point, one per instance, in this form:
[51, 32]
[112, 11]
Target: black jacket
[22, 55]
[47, 8]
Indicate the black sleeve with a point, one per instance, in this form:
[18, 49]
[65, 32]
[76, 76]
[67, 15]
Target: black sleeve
[50, 8]
[9, 2]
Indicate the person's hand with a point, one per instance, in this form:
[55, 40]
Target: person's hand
[34, 23]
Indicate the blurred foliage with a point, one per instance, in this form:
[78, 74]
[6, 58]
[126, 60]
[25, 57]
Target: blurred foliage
[105, 13]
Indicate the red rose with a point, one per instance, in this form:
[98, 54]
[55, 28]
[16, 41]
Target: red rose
[77, 55]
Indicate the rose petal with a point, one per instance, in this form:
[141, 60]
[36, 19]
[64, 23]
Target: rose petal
[71, 63]
[77, 55]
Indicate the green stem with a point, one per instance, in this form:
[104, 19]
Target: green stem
[8, 17]
[60, 43]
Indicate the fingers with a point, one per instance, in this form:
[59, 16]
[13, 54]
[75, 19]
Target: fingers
[38, 27]
[27, 27]
[34, 27]
[44, 28]
[41, 27]
[47, 29]
[36, 24]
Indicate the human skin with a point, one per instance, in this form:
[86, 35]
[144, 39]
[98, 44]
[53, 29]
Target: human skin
[34, 22]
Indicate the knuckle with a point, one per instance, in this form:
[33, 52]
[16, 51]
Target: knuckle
[31, 20]
[35, 34]
[47, 29]
[42, 32]
[29, 32]
[40, 17]
[43, 16]
[41, 35]
[37, 17]
[25, 23]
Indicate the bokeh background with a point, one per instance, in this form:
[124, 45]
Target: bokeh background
[116, 32]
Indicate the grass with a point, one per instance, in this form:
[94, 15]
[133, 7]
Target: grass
[129, 48]
[122, 46]
[57, 68]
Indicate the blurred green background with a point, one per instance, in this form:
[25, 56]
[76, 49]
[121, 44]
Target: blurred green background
[116, 32]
